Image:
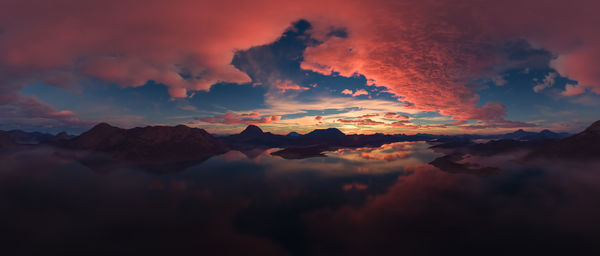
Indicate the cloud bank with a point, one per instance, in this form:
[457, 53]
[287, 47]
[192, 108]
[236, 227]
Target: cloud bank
[428, 53]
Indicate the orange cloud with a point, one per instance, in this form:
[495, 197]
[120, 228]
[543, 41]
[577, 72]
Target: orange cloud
[392, 115]
[573, 90]
[288, 85]
[360, 122]
[253, 114]
[368, 116]
[347, 91]
[232, 118]
[354, 186]
[427, 52]
[385, 156]
[360, 92]
[356, 93]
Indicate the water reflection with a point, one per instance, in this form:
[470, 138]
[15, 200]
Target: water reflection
[364, 201]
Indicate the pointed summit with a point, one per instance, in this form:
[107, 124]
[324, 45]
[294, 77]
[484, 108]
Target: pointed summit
[252, 130]
[103, 127]
[595, 127]
[293, 134]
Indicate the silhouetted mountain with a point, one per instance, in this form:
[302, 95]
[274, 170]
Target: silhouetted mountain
[253, 136]
[33, 138]
[252, 131]
[584, 145]
[23, 137]
[329, 132]
[151, 143]
[63, 136]
[293, 134]
[543, 135]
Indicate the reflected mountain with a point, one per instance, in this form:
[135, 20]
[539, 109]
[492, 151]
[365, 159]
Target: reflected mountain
[451, 164]
[103, 193]
[302, 152]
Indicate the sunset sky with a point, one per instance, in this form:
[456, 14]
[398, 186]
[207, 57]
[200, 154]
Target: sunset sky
[361, 66]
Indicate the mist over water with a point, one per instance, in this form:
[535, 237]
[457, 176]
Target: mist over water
[366, 201]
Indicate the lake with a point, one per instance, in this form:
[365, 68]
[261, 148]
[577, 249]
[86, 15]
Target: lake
[365, 201]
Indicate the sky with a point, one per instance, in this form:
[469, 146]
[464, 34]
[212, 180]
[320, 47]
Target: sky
[443, 67]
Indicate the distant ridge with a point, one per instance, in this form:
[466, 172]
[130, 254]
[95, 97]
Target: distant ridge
[329, 132]
[542, 135]
[584, 145]
[151, 143]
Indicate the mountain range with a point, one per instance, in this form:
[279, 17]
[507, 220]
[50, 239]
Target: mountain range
[151, 143]
[183, 143]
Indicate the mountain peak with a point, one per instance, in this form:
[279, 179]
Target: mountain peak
[293, 134]
[326, 132]
[252, 130]
[102, 126]
[595, 127]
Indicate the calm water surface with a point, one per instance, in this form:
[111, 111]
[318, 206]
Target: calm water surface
[366, 201]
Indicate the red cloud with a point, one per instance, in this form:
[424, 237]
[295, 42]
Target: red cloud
[354, 186]
[253, 114]
[428, 52]
[392, 115]
[356, 93]
[360, 122]
[368, 116]
[573, 90]
[232, 118]
[39, 113]
[423, 52]
[318, 118]
[288, 85]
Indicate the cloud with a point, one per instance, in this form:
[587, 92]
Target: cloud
[288, 85]
[499, 80]
[253, 114]
[392, 115]
[548, 81]
[360, 122]
[32, 111]
[360, 92]
[423, 51]
[586, 100]
[233, 118]
[393, 156]
[499, 124]
[356, 93]
[318, 118]
[429, 53]
[573, 90]
[369, 116]
[354, 186]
